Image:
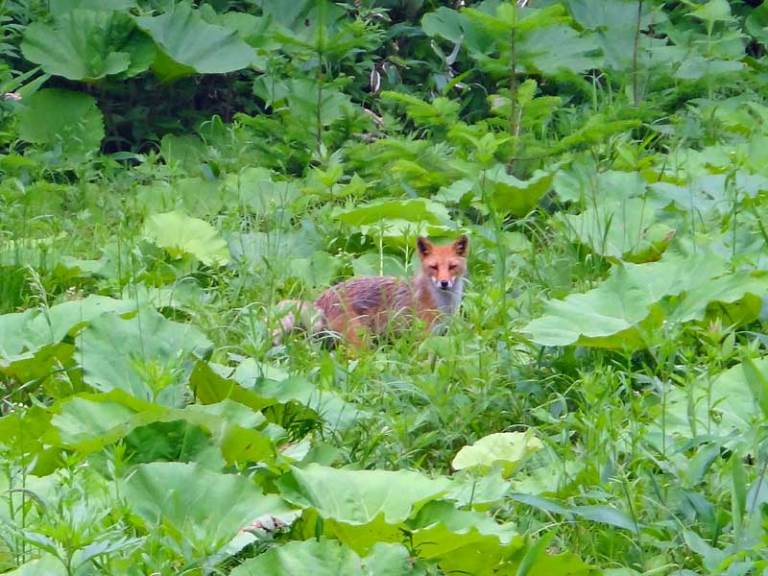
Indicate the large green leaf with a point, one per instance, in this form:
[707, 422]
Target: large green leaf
[397, 220]
[461, 541]
[456, 28]
[317, 557]
[88, 45]
[367, 494]
[200, 509]
[188, 44]
[31, 344]
[147, 356]
[535, 31]
[260, 386]
[60, 7]
[33, 329]
[512, 196]
[727, 406]
[327, 558]
[89, 422]
[180, 235]
[576, 53]
[312, 103]
[45, 566]
[614, 24]
[618, 313]
[625, 229]
[61, 118]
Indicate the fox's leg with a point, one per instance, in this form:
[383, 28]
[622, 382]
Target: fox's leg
[354, 333]
[352, 330]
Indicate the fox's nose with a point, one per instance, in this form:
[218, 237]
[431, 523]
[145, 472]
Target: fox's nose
[444, 284]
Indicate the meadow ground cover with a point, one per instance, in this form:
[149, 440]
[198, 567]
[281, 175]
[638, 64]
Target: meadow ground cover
[172, 170]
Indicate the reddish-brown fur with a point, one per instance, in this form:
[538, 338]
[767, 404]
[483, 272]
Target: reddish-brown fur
[380, 305]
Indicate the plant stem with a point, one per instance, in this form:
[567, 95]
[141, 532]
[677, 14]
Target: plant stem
[514, 123]
[635, 89]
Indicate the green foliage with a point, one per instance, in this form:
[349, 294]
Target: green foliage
[89, 45]
[62, 120]
[199, 510]
[507, 448]
[182, 235]
[189, 45]
[328, 558]
[146, 356]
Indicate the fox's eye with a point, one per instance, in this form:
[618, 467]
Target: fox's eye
[452, 267]
[433, 267]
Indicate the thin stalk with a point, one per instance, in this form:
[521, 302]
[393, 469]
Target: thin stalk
[320, 55]
[514, 120]
[635, 43]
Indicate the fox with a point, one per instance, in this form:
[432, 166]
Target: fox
[364, 308]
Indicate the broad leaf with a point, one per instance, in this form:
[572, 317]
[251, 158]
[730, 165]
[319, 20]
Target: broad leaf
[506, 448]
[576, 53]
[414, 210]
[327, 558]
[188, 44]
[45, 566]
[60, 7]
[88, 45]
[33, 329]
[730, 405]
[512, 196]
[147, 356]
[55, 117]
[367, 494]
[456, 28]
[621, 229]
[89, 422]
[397, 221]
[462, 541]
[615, 313]
[263, 381]
[183, 235]
[320, 557]
[315, 103]
[204, 509]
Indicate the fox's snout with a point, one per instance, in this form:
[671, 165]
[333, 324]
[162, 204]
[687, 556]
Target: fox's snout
[444, 284]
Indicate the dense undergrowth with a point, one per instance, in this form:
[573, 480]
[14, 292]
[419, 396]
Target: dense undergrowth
[171, 171]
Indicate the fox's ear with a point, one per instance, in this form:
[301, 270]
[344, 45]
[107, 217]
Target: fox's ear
[424, 246]
[461, 245]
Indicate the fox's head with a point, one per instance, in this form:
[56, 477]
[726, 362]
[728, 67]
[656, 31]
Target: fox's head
[444, 264]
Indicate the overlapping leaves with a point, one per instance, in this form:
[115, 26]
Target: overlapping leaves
[626, 310]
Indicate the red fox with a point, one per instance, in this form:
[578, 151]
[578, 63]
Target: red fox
[375, 306]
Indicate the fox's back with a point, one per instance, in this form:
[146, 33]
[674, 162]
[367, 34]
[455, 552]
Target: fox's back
[373, 301]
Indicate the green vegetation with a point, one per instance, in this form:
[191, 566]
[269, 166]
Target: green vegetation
[174, 169]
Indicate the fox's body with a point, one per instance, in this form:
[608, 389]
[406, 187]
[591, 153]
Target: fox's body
[380, 305]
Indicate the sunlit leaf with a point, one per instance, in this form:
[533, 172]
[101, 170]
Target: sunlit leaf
[180, 235]
[506, 448]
